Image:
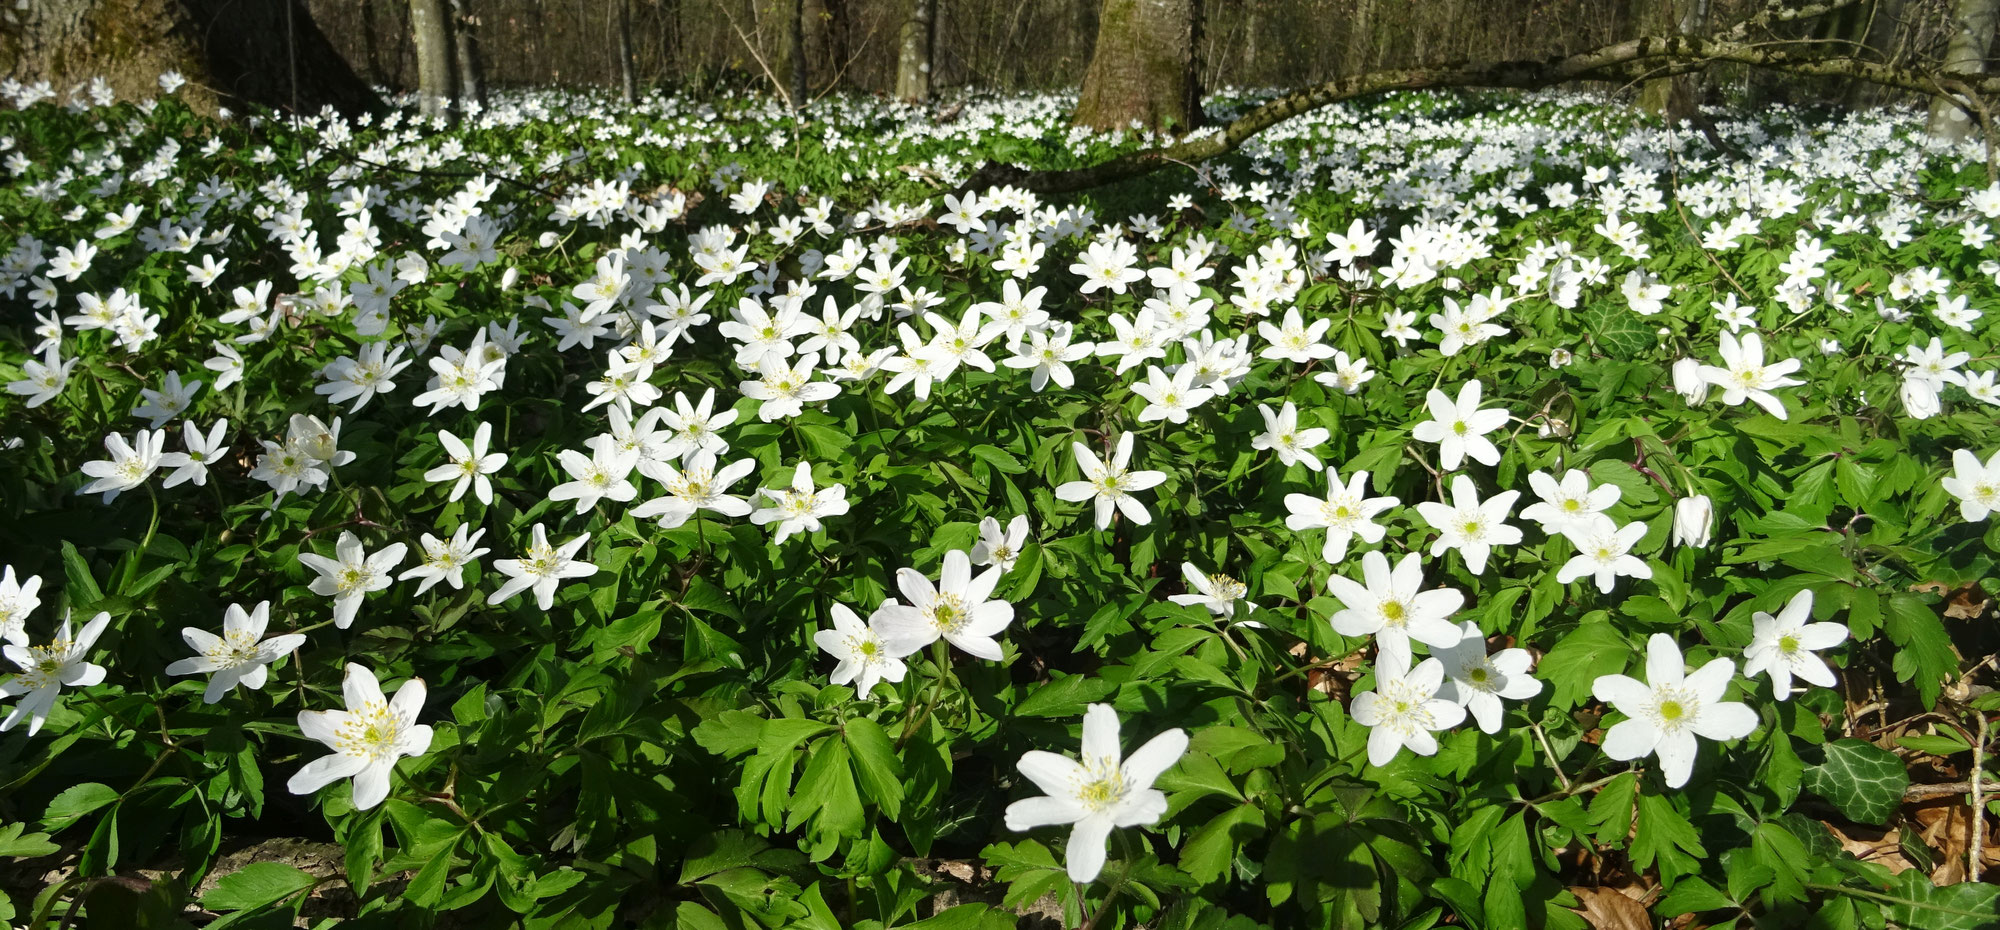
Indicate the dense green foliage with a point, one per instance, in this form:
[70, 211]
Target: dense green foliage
[663, 746]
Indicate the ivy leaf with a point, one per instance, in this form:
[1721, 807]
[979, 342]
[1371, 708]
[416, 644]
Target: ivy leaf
[1964, 906]
[1619, 331]
[1865, 781]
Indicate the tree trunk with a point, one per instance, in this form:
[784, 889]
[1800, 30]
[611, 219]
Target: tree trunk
[1880, 22]
[1251, 26]
[428, 28]
[913, 66]
[233, 54]
[798, 53]
[1973, 22]
[835, 38]
[471, 73]
[1144, 67]
[628, 81]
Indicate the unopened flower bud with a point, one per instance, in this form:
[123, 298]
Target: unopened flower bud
[1694, 521]
[1688, 381]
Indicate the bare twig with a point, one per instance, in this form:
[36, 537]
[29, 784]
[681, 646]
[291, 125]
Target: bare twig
[1927, 792]
[1972, 855]
[776, 84]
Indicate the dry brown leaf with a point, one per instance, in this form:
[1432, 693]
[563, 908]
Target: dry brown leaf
[1606, 909]
[1882, 847]
[1947, 828]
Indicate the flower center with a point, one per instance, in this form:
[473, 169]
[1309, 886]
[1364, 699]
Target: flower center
[372, 732]
[950, 613]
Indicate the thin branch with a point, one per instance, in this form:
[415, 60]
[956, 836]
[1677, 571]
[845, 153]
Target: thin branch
[776, 84]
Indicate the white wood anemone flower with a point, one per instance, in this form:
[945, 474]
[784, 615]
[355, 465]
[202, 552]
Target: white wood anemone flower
[542, 568]
[1479, 682]
[1976, 484]
[1459, 427]
[1670, 708]
[960, 609]
[1110, 484]
[866, 657]
[1394, 607]
[45, 670]
[1346, 512]
[1783, 646]
[353, 573]
[1405, 707]
[1101, 791]
[240, 655]
[367, 738]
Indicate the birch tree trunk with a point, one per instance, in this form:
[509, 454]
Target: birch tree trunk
[1973, 22]
[1144, 67]
[433, 44]
[913, 65]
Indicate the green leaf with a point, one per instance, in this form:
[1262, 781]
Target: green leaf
[999, 458]
[1589, 651]
[1693, 895]
[875, 761]
[1964, 906]
[1207, 854]
[1621, 332]
[1941, 744]
[74, 802]
[83, 590]
[1923, 652]
[1666, 837]
[1064, 697]
[1864, 780]
[16, 845]
[256, 885]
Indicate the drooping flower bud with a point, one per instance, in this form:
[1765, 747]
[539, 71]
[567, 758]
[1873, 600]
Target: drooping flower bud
[1694, 521]
[1688, 381]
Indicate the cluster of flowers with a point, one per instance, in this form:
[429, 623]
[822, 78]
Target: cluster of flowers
[642, 301]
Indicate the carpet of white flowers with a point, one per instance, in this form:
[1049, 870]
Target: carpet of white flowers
[1449, 511]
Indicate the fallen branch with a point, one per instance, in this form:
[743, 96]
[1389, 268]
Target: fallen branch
[1928, 792]
[1651, 56]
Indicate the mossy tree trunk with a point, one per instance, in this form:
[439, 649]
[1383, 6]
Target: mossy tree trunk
[1973, 22]
[232, 53]
[1144, 68]
[913, 63]
[1675, 97]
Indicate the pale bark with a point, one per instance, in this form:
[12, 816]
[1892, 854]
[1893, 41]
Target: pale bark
[913, 64]
[1973, 22]
[1144, 67]
[429, 30]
